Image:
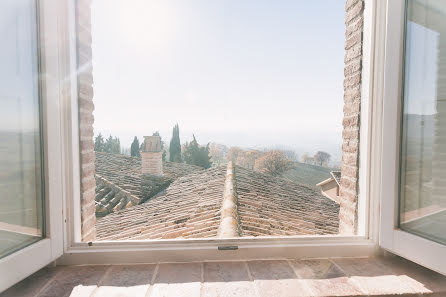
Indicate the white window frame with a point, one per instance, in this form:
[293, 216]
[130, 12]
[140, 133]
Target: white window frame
[392, 238]
[22, 263]
[364, 244]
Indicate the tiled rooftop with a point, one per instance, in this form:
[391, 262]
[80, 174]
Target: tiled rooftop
[120, 183]
[274, 206]
[391, 276]
[190, 208]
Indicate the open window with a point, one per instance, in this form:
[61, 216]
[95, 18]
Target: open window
[209, 121]
[31, 219]
[413, 211]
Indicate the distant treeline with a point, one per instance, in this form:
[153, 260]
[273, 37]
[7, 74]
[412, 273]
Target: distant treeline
[110, 145]
[274, 162]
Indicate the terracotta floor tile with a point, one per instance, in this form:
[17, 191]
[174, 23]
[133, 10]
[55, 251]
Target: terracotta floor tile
[129, 275]
[364, 266]
[316, 269]
[384, 284]
[430, 280]
[336, 277]
[190, 289]
[282, 287]
[132, 291]
[178, 273]
[340, 286]
[271, 269]
[73, 276]
[225, 272]
[228, 289]
[83, 291]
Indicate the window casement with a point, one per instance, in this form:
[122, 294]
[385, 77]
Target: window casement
[359, 200]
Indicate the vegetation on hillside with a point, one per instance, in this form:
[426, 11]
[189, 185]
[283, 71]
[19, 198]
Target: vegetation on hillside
[274, 163]
[307, 174]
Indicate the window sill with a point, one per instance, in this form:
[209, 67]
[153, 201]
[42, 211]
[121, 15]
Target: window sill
[109, 252]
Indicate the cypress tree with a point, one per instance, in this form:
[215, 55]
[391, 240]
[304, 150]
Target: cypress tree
[134, 148]
[175, 145]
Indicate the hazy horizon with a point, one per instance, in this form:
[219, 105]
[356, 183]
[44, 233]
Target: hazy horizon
[248, 74]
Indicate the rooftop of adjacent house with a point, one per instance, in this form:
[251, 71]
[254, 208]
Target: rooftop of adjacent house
[121, 184]
[334, 176]
[190, 207]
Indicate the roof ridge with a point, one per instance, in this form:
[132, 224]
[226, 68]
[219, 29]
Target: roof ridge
[229, 218]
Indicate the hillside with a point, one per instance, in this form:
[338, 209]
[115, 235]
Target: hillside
[307, 174]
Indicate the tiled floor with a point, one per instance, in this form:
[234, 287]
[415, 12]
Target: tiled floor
[324, 277]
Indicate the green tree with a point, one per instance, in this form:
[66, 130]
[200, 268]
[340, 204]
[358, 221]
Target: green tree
[99, 144]
[112, 145]
[116, 146]
[134, 148]
[175, 145]
[195, 154]
[322, 158]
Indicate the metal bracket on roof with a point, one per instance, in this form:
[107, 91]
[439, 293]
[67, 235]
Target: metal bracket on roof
[228, 248]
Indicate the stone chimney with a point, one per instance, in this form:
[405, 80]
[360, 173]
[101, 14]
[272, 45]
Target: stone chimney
[152, 156]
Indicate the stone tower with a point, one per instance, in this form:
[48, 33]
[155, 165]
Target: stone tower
[152, 156]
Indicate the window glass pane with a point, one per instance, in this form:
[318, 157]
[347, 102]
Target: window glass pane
[20, 143]
[423, 150]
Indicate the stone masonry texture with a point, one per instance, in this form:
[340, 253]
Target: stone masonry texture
[354, 22]
[86, 119]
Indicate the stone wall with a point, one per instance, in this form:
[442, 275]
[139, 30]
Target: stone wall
[86, 119]
[354, 21]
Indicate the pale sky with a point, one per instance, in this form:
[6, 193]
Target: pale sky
[252, 73]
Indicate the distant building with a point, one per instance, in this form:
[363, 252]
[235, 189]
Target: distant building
[330, 187]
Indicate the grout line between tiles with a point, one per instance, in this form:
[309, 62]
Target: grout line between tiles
[332, 261]
[251, 279]
[202, 278]
[202, 272]
[300, 278]
[354, 281]
[152, 281]
[107, 272]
